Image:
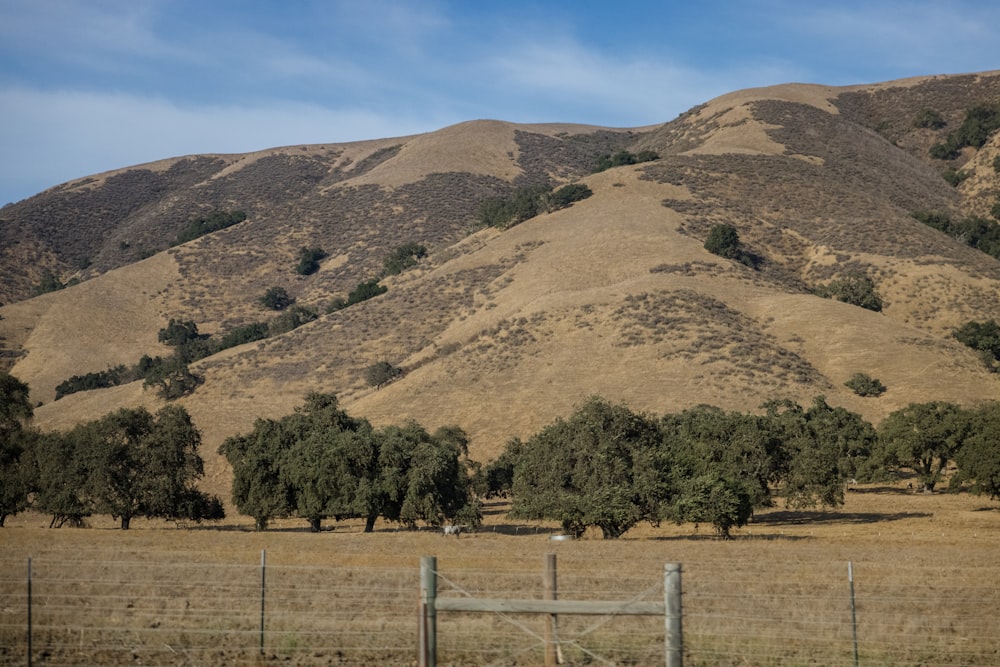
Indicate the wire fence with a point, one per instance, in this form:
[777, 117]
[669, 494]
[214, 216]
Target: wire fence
[734, 613]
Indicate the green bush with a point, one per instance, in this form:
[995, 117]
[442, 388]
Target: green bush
[309, 261]
[954, 177]
[211, 223]
[291, 319]
[981, 336]
[568, 194]
[381, 373]
[980, 122]
[402, 258]
[276, 298]
[929, 118]
[854, 288]
[48, 283]
[724, 241]
[980, 233]
[177, 333]
[623, 158]
[865, 385]
[366, 290]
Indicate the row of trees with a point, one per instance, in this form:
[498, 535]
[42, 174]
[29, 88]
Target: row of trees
[130, 463]
[320, 463]
[609, 467]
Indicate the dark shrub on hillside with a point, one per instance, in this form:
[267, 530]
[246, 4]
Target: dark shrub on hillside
[566, 195]
[865, 385]
[276, 298]
[854, 288]
[380, 373]
[213, 222]
[402, 258]
[929, 118]
[309, 261]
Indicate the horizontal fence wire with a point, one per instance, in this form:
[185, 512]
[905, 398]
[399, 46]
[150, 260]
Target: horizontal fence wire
[147, 611]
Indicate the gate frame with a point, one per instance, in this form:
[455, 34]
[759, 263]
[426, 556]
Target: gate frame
[430, 604]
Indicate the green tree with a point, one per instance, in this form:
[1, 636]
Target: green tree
[172, 378]
[978, 458]
[402, 258]
[178, 332]
[291, 319]
[716, 499]
[854, 288]
[15, 472]
[822, 448]
[61, 477]
[930, 119]
[276, 298]
[596, 468]
[723, 240]
[865, 385]
[731, 458]
[309, 258]
[259, 488]
[923, 437]
[366, 290]
[438, 488]
[381, 373]
[319, 465]
[567, 195]
[144, 465]
[981, 336]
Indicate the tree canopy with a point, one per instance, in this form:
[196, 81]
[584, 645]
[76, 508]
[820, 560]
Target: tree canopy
[321, 463]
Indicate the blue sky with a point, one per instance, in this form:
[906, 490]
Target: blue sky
[92, 85]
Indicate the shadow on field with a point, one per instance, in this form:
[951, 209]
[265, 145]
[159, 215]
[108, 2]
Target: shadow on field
[712, 537]
[799, 518]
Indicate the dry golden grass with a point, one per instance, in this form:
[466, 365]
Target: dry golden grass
[925, 572]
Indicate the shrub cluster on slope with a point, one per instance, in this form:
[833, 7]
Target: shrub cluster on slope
[974, 231]
[980, 122]
[212, 222]
[623, 158]
[527, 202]
[854, 288]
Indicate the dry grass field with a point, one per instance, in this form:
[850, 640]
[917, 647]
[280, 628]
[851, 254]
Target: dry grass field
[925, 575]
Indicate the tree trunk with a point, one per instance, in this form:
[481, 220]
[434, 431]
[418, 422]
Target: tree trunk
[126, 520]
[260, 523]
[315, 524]
[370, 522]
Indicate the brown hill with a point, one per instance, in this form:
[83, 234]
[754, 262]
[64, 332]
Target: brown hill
[500, 332]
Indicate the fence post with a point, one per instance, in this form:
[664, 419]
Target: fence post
[854, 618]
[672, 605]
[29, 611]
[550, 593]
[263, 580]
[427, 620]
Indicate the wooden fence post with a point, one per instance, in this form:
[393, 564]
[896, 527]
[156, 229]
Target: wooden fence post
[551, 632]
[263, 588]
[672, 606]
[427, 621]
[29, 611]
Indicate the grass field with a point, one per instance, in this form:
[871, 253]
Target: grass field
[926, 568]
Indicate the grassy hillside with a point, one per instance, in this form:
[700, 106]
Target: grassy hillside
[501, 332]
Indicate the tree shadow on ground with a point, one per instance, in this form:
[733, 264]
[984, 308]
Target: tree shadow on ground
[800, 518]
